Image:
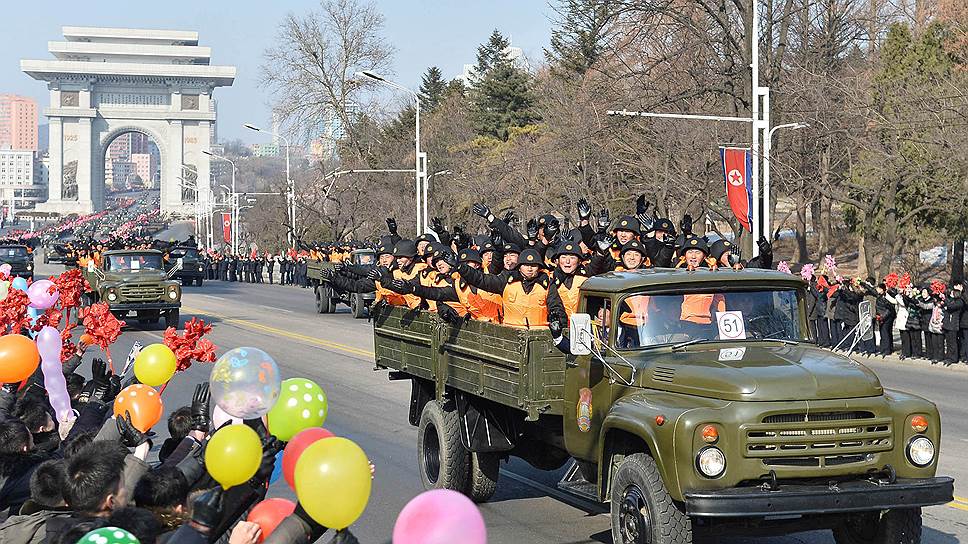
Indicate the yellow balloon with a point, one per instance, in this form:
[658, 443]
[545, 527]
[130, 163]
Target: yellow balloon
[155, 365]
[333, 482]
[233, 455]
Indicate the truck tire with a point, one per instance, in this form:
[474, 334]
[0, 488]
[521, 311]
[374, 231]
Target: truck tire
[320, 301]
[198, 281]
[442, 461]
[901, 526]
[172, 318]
[357, 306]
[642, 510]
[485, 468]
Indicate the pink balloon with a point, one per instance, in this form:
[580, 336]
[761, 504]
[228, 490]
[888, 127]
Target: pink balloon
[220, 416]
[49, 346]
[440, 516]
[43, 294]
[5, 269]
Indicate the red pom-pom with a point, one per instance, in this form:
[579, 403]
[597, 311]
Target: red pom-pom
[190, 346]
[101, 325]
[890, 281]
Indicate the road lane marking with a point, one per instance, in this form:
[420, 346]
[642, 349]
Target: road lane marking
[281, 332]
[959, 506]
[274, 308]
[961, 499]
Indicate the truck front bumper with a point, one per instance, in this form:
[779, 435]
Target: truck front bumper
[851, 496]
[133, 307]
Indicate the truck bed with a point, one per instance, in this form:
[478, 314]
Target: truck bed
[314, 269]
[515, 367]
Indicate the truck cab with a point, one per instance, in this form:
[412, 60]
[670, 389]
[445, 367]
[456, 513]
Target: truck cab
[20, 258]
[138, 282]
[690, 401]
[192, 270]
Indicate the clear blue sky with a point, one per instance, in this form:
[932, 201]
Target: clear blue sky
[445, 33]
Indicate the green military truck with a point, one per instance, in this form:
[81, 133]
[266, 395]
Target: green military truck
[20, 258]
[327, 296]
[135, 281]
[692, 402]
[192, 269]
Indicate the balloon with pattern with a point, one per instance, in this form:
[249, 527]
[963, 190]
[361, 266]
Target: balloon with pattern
[245, 382]
[142, 402]
[109, 535]
[302, 404]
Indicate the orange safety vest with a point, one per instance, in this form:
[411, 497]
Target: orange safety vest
[525, 310]
[482, 306]
[638, 314]
[569, 297]
[699, 308]
[410, 301]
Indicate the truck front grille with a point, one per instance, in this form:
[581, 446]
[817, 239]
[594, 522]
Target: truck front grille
[818, 439]
[142, 293]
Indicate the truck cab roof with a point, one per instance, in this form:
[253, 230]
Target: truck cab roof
[614, 282]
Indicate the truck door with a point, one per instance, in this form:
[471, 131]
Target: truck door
[587, 389]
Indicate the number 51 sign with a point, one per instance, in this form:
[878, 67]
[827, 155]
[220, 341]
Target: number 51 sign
[731, 325]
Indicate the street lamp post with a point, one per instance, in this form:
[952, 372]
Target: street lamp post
[235, 202]
[290, 187]
[185, 184]
[420, 181]
[767, 148]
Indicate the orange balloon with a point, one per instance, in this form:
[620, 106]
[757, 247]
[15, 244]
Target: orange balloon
[18, 358]
[142, 402]
[87, 339]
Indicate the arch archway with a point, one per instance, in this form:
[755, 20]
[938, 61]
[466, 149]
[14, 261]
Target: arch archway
[100, 181]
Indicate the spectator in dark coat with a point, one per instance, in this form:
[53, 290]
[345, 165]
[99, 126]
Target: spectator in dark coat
[954, 305]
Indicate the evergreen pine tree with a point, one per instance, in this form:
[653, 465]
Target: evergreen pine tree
[432, 89]
[579, 37]
[489, 55]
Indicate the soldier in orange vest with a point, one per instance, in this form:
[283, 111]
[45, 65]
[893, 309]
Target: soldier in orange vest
[568, 276]
[406, 267]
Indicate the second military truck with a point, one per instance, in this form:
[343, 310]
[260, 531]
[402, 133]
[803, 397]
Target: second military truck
[328, 296]
[136, 281]
[690, 402]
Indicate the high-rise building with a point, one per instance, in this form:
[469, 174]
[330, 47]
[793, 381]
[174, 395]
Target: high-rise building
[20, 176]
[143, 166]
[18, 123]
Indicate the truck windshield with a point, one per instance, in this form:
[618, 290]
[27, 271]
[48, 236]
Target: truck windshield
[651, 320]
[365, 258]
[13, 252]
[134, 262]
[187, 254]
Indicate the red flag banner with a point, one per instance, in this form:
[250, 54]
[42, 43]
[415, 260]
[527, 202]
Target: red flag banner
[227, 227]
[737, 167]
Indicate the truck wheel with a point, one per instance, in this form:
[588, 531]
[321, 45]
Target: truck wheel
[320, 301]
[902, 526]
[642, 510]
[198, 281]
[441, 458]
[485, 468]
[172, 318]
[357, 306]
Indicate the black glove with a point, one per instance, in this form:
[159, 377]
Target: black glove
[338, 267]
[764, 245]
[646, 222]
[270, 447]
[437, 224]
[460, 238]
[496, 238]
[532, 229]
[402, 287]
[375, 273]
[552, 229]
[510, 217]
[448, 314]
[200, 406]
[392, 225]
[603, 220]
[106, 385]
[450, 258]
[584, 209]
[605, 242]
[344, 537]
[641, 205]
[686, 224]
[207, 509]
[130, 436]
[482, 210]
[11, 387]
[554, 325]
[327, 274]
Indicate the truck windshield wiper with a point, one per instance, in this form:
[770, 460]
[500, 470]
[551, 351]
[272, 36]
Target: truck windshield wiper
[680, 345]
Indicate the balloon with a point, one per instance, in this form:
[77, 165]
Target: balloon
[233, 455]
[41, 296]
[269, 513]
[18, 358]
[155, 364]
[333, 482]
[5, 269]
[440, 516]
[34, 315]
[87, 339]
[296, 447]
[276, 469]
[142, 402]
[219, 417]
[302, 404]
[49, 347]
[19, 283]
[245, 382]
[109, 535]
[4, 289]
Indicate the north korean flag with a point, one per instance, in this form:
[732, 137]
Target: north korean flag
[227, 227]
[737, 167]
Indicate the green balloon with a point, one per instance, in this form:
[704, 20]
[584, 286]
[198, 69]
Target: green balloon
[302, 404]
[108, 535]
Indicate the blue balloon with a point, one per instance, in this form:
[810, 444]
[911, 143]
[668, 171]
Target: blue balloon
[276, 469]
[19, 283]
[34, 314]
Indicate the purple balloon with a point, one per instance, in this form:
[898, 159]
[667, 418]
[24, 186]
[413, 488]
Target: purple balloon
[40, 294]
[49, 345]
[440, 516]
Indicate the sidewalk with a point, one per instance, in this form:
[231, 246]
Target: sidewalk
[923, 363]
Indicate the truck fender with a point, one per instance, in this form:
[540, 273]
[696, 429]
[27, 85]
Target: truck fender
[630, 427]
[484, 426]
[421, 392]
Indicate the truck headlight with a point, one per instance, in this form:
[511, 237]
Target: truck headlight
[172, 294]
[30, 266]
[920, 451]
[711, 462]
[112, 296]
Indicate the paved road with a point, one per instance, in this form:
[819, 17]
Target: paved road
[336, 351]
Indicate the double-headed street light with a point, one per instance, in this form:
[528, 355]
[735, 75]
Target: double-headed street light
[420, 182]
[290, 187]
[235, 200]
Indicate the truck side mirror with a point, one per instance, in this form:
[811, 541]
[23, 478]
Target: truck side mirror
[580, 331]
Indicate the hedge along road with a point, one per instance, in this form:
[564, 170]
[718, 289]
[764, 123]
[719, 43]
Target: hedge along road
[336, 351]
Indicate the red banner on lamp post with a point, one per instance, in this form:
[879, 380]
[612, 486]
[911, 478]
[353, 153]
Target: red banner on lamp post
[737, 167]
[227, 227]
